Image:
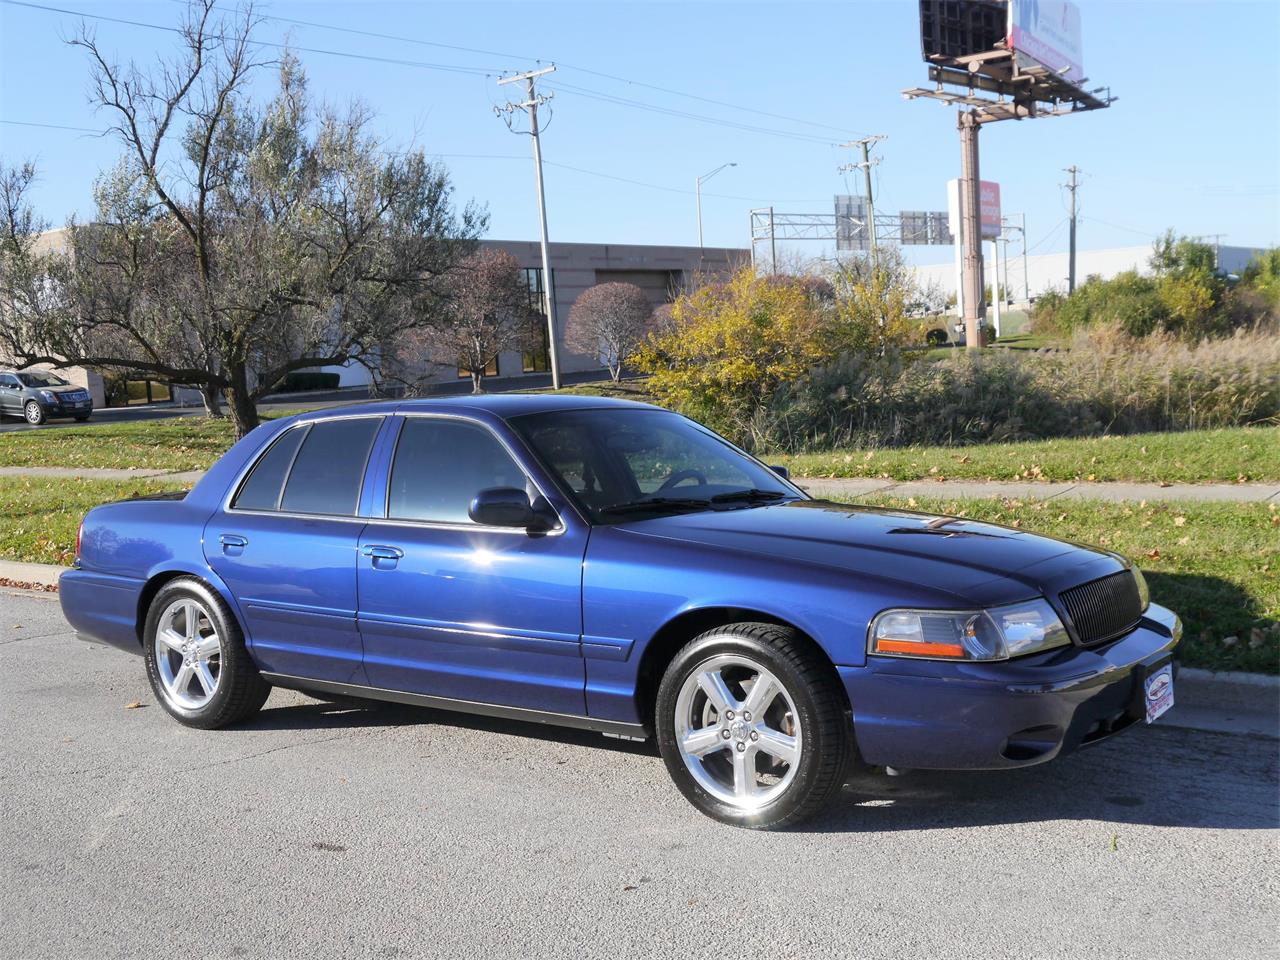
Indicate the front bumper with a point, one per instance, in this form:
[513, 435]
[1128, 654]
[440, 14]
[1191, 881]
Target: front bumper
[60, 408]
[988, 716]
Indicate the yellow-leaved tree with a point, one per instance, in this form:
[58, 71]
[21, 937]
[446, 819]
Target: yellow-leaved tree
[727, 347]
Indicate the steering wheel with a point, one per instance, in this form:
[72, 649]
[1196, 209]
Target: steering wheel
[680, 476]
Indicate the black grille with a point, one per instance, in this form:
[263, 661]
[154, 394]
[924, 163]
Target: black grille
[1101, 610]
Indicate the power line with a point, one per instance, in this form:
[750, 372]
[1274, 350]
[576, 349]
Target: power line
[478, 156]
[575, 90]
[559, 63]
[466, 70]
[393, 61]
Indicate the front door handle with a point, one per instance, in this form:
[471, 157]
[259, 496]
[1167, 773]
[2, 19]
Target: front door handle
[384, 557]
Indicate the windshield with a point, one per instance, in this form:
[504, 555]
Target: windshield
[39, 378]
[626, 464]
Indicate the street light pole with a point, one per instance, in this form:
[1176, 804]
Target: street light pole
[698, 191]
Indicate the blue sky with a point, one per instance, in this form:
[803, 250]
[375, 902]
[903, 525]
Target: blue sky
[1191, 143]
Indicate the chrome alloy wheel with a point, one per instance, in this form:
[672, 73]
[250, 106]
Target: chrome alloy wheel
[34, 415]
[188, 654]
[738, 731]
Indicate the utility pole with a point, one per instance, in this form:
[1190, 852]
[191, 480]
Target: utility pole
[975, 308]
[1026, 277]
[531, 105]
[867, 163]
[1071, 269]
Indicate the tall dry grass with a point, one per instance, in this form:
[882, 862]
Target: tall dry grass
[1106, 383]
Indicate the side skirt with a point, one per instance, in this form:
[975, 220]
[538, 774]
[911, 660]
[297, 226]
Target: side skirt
[613, 728]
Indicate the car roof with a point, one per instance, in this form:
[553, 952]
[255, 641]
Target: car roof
[501, 405]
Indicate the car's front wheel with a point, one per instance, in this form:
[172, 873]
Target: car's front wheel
[34, 413]
[196, 659]
[752, 726]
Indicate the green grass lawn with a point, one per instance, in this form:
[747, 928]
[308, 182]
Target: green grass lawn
[1195, 456]
[1216, 564]
[179, 443]
[176, 443]
[39, 516]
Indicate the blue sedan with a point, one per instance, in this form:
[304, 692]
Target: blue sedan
[616, 567]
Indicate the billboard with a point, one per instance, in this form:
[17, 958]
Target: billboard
[989, 204]
[1047, 33]
[851, 223]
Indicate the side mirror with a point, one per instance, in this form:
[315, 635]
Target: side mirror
[780, 470]
[503, 507]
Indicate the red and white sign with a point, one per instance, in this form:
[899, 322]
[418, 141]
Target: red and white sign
[1047, 33]
[989, 205]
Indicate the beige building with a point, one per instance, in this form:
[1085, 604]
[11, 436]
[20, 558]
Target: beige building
[660, 271]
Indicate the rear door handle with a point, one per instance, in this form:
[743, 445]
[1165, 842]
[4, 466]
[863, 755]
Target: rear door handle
[233, 542]
[379, 552]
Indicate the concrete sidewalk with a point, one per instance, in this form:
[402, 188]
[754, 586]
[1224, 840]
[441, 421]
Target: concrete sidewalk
[954, 489]
[836, 487]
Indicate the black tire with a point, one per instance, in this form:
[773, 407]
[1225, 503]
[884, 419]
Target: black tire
[821, 712]
[240, 691]
[33, 413]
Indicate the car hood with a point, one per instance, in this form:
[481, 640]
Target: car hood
[65, 388]
[974, 562]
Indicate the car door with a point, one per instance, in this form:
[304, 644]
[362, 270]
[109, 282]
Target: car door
[10, 394]
[450, 608]
[285, 543]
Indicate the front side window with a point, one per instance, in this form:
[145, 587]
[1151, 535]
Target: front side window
[441, 464]
[622, 464]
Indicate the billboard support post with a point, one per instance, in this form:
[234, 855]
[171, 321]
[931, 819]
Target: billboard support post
[971, 232]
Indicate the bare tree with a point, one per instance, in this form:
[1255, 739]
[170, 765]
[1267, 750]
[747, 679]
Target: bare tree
[488, 312]
[238, 242]
[609, 320]
[24, 288]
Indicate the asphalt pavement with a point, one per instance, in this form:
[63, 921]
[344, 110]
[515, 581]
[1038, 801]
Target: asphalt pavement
[322, 830]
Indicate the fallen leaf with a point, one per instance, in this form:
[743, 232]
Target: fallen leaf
[1165, 483]
[1184, 541]
[1179, 521]
[135, 705]
[630, 886]
[1154, 553]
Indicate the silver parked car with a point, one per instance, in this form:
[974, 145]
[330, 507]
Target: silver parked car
[37, 395]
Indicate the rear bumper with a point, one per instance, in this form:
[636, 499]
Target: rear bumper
[102, 607]
[975, 716]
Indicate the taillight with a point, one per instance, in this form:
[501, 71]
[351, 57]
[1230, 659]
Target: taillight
[79, 537]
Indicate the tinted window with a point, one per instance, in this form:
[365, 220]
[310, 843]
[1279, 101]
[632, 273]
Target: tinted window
[329, 469]
[262, 490]
[441, 464]
[611, 457]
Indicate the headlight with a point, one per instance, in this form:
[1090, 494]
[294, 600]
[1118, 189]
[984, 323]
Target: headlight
[994, 634]
[48, 397]
[1144, 592]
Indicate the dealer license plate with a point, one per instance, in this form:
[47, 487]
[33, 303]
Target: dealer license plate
[1158, 688]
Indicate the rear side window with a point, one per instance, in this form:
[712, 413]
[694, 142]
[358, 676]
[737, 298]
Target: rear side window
[262, 490]
[329, 468]
[441, 464]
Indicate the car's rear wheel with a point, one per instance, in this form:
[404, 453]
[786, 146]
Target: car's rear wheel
[752, 726]
[33, 412]
[197, 663]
